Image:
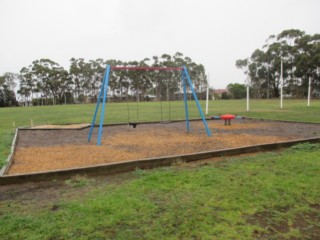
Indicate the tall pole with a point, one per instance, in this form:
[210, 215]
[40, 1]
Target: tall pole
[183, 78]
[248, 91]
[207, 96]
[309, 91]
[268, 94]
[281, 86]
[248, 97]
[212, 97]
[207, 101]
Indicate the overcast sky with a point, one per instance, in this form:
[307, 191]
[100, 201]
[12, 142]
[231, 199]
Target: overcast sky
[214, 33]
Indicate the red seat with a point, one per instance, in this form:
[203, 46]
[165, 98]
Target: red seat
[227, 118]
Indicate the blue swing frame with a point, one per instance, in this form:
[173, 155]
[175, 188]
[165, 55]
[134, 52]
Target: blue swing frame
[104, 90]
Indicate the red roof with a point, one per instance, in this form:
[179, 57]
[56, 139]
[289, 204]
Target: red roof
[220, 91]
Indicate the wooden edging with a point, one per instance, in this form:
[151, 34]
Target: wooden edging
[9, 160]
[145, 163]
[274, 120]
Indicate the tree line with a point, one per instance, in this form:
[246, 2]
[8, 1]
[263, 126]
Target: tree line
[46, 82]
[300, 54]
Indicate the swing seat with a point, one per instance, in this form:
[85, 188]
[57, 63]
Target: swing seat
[134, 125]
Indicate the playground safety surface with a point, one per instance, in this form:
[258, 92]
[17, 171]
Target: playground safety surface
[43, 150]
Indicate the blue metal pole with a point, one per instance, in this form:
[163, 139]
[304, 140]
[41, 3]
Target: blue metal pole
[105, 91]
[185, 101]
[97, 107]
[197, 102]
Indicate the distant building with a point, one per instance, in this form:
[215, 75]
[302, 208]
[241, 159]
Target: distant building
[150, 97]
[219, 92]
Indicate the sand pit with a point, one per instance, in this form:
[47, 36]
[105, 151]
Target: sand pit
[45, 150]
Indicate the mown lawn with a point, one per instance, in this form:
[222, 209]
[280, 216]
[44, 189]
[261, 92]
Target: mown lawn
[266, 196]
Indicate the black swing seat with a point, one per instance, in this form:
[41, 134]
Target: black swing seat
[134, 125]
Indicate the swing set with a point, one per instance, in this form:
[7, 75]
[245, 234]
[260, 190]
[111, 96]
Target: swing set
[104, 89]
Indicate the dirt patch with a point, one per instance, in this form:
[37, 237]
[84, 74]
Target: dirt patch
[43, 150]
[51, 193]
[274, 227]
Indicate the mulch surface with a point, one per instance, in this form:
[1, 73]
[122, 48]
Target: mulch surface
[43, 150]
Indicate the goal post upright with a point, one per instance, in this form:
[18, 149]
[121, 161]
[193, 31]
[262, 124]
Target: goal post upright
[104, 90]
[183, 78]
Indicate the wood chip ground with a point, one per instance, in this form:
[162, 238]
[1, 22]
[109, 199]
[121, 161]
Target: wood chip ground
[44, 150]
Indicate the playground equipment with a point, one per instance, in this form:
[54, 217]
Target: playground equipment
[227, 118]
[185, 78]
[162, 91]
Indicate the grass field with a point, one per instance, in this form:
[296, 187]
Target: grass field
[295, 110]
[263, 196]
[267, 196]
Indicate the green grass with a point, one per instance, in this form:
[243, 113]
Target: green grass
[267, 196]
[295, 110]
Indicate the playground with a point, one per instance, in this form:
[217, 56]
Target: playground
[54, 148]
[48, 148]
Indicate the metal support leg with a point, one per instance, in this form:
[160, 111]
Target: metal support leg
[197, 102]
[105, 91]
[97, 107]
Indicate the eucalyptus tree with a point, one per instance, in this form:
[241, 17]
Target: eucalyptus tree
[81, 76]
[114, 85]
[7, 85]
[298, 52]
[123, 80]
[289, 54]
[52, 80]
[168, 83]
[96, 69]
[145, 81]
[308, 63]
[198, 75]
[134, 78]
[47, 78]
[179, 62]
[10, 79]
[27, 85]
[258, 73]
[155, 79]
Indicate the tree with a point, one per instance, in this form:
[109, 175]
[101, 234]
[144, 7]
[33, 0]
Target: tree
[27, 84]
[46, 79]
[7, 95]
[7, 87]
[10, 79]
[300, 54]
[52, 79]
[79, 75]
[237, 90]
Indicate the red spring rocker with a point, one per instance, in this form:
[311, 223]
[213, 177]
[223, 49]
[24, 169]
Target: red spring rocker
[227, 118]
